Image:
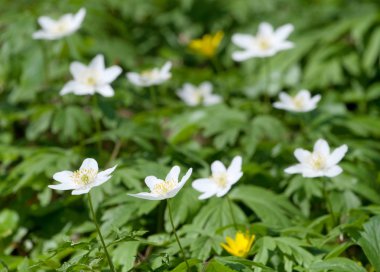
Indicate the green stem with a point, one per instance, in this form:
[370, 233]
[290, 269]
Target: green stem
[99, 233]
[97, 123]
[232, 212]
[267, 72]
[46, 63]
[216, 65]
[329, 205]
[176, 236]
[153, 98]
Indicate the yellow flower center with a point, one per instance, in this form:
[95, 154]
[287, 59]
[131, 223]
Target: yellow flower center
[148, 75]
[84, 176]
[91, 81]
[197, 95]
[220, 180]
[264, 43]
[60, 27]
[298, 103]
[317, 161]
[164, 187]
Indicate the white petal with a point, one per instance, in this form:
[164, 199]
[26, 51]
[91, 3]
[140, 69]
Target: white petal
[280, 105]
[243, 55]
[77, 88]
[206, 87]
[174, 192]
[207, 195]
[322, 147]
[111, 73]
[283, 46]
[243, 40]
[77, 69]
[204, 185]
[337, 155]
[310, 173]
[106, 172]
[89, 164]
[233, 178]
[302, 155]
[46, 22]
[63, 176]
[235, 166]
[224, 191]
[78, 18]
[63, 186]
[303, 95]
[185, 177]
[285, 98]
[212, 99]
[68, 88]
[100, 180]
[41, 34]
[151, 181]
[265, 29]
[135, 79]
[81, 191]
[148, 196]
[218, 167]
[333, 171]
[166, 68]
[316, 99]
[173, 174]
[284, 31]
[97, 63]
[298, 168]
[105, 90]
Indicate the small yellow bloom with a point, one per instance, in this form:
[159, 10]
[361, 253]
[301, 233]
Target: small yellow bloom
[240, 246]
[207, 45]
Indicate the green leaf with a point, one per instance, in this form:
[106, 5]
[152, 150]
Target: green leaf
[272, 209]
[369, 241]
[182, 267]
[8, 222]
[215, 266]
[336, 265]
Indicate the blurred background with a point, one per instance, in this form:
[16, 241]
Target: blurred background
[336, 54]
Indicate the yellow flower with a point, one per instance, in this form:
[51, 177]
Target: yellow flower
[207, 45]
[240, 246]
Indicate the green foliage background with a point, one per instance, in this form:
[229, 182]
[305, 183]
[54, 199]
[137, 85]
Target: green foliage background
[336, 54]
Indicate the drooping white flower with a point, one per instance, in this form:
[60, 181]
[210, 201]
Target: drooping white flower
[318, 163]
[155, 76]
[194, 96]
[82, 180]
[164, 189]
[221, 179]
[302, 102]
[266, 43]
[56, 29]
[92, 78]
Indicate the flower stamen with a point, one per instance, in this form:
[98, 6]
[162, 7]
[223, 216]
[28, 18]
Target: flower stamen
[164, 187]
[84, 176]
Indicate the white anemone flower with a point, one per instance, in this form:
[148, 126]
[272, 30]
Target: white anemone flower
[56, 29]
[92, 78]
[320, 162]
[221, 179]
[266, 43]
[82, 180]
[155, 76]
[164, 189]
[193, 95]
[302, 102]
